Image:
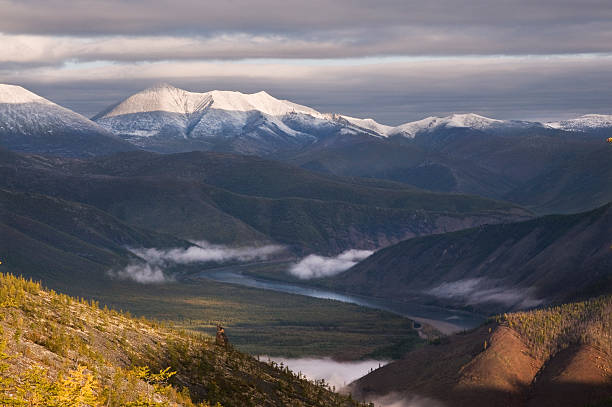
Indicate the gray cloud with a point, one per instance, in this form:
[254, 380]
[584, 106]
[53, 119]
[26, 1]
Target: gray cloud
[392, 92]
[147, 16]
[387, 59]
[314, 266]
[311, 29]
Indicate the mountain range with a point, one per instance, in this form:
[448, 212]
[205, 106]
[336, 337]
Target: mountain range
[519, 161]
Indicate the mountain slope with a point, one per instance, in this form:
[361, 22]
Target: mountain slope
[494, 267]
[251, 200]
[30, 123]
[586, 123]
[51, 238]
[560, 356]
[527, 165]
[56, 350]
[168, 119]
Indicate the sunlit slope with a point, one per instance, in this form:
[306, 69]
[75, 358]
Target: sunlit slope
[56, 348]
[560, 356]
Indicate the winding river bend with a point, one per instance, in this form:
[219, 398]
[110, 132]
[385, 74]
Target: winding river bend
[443, 319]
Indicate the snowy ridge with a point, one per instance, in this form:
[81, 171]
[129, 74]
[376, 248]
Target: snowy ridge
[469, 120]
[167, 98]
[33, 124]
[370, 124]
[168, 119]
[410, 129]
[24, 112]
[582, 123]
[12, 94]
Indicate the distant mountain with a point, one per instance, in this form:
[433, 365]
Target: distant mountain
[526, 163]
[232, 199]
[494, 268]
[520, 161]
[586, 123]
[561, 356]
[460, 121]
[168, 119]
[30, 123]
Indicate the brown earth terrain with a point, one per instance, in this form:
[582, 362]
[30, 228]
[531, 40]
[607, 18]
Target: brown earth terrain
[565, 361]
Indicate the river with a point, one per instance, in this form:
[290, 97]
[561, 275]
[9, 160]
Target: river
[445, 320]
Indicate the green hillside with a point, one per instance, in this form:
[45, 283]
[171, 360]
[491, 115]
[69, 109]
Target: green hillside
[61, 351]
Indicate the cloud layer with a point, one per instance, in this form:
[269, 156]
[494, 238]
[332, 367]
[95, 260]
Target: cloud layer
[482, 291]
[338, 374]
[393, 91]
[351, 28]
[314, 266]
[392, 60]
[204, 252]
[150, 269]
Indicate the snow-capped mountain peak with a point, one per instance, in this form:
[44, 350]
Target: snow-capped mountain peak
[13, 94]
[167, 98]
[585, 122]
[471, 120]
[467, 120]
[31, 123]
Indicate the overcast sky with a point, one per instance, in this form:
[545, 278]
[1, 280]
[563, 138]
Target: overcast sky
[393, 60]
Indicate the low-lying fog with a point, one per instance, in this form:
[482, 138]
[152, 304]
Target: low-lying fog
[338, 374]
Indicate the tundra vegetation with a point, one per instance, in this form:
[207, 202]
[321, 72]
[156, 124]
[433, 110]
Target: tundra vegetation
[57, 350]
[549, 330]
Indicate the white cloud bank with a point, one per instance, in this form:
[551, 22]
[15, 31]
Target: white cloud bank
[142, 273]
[150, 270]
[315, 266]
[400, 400]
[338, 374]
[204, 252]
[481, 290]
